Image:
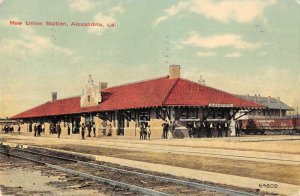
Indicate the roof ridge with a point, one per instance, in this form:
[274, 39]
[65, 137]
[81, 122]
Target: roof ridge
[136, 82]
[216, 89]
[170, 91]
[76, 96]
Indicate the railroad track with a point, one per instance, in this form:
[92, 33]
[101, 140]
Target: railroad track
[135, 182]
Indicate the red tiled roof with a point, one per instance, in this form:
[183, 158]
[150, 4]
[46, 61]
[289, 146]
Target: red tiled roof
[189, 93]
[59, 107]
[150, 93]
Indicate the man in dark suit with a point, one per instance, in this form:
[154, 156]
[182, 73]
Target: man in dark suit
[165, 126]
[237, 129]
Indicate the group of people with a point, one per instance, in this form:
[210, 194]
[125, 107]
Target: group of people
[205, 129]
[38, 129]
[10, 129]
[145, 131]
[168, 126]
[195, 129]
[200, 129]
[89, 127]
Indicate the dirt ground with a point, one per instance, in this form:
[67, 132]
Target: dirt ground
[283, 147]
[284, 173]
[45, 181]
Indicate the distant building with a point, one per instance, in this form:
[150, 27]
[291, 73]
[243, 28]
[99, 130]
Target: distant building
[274, 108]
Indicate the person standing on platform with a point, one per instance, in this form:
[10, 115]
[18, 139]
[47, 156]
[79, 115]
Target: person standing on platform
[237, 129]
[51, 128]
[165, 126]
[109, 133]
[39, 129]
[141, 131]
[58, 130]
[82, 131]
[173, 127]
[19, 129]
[199, 129]
[35, 130]
[226, 126]
[210, 130]
[11, 128]
[219, 128]
[89, 127]
[69, 129]
[189, 127]
[94, 129]
[148, 131]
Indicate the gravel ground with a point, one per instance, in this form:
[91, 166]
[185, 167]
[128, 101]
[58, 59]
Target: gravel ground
[70, 183]
[139, 181]
[63, 184]
[284, 173]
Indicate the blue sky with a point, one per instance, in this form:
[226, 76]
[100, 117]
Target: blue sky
[249, 46]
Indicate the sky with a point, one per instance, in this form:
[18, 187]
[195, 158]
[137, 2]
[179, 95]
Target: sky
[239, 46]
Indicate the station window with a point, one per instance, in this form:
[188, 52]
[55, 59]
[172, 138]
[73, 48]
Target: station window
[144, 116]
[184, 115]
[193, 113]
[89, 98]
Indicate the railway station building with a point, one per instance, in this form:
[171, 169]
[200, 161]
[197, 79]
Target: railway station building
[273, 107]
[169, 98]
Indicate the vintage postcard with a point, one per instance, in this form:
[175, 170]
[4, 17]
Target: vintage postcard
[139, 97]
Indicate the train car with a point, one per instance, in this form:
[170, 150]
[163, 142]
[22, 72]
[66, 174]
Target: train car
[270, 125]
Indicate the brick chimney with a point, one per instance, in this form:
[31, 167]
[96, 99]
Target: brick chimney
[174, 71]
[255, 98]
[269, 99]
[102, 85]
[54, 96]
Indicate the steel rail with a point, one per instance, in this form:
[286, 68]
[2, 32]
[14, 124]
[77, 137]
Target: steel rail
[177, 181]
[125, 186]
[165, 179]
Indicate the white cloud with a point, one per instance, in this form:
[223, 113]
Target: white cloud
[1, 1]
[81, 5]
[117, 9]
[206, 54]
[233, 55]
[231, 10]
[171, 12]
[30, 43]
[223, 11]
[216, 41]
[159, 20]
[104, 20]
